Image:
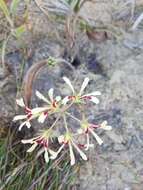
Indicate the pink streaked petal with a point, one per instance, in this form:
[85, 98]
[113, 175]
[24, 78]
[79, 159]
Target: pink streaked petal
[72, 157]
[94, 126]
[27, 110]
[32, 147]
[68, 82]
[98, 139]
[65, 100]
[96, 93]
[83, 156]
[83, 86]
[20, 102]
[19, 117]
[94, 100]
[50, 93]
[42, 117]
[40, 96]
[55, 154]
[38, 110]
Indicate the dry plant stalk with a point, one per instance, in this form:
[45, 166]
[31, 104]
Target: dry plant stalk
[29, 79]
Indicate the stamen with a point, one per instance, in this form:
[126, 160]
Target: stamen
[81, 145]
[29, 115]
[71, 97]
[27, 110]
[86, 97]
[54, 104]
[95, 126]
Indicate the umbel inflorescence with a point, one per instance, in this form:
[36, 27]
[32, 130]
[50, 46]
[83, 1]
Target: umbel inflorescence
[61, 108]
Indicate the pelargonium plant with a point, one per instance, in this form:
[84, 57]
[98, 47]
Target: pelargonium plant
[61, 109]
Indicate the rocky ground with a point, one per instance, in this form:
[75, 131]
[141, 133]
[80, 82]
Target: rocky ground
[115, 68]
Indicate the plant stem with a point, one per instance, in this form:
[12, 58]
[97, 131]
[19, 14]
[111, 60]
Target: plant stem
[65, 122]
[73, 117]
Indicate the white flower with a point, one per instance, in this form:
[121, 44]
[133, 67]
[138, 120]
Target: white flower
[40, 112]
[68, 140]
[78, 97]
[42, 140]
[52, 102]
[87, 128]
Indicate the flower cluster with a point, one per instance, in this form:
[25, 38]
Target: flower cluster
[60, 107]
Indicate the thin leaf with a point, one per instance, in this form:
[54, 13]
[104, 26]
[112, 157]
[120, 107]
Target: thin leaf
[19, 31]
[137, 22]
[4, 8]
[6, 12]
[13, 6]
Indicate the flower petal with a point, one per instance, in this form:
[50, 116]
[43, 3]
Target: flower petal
[50, 93]
[40, 96]
[28, 124]
[53, 154]
[87, 144]
[69, 83]
[95, 93]
[72, 157]
[98, 139]
[46, 156]
[27, 141]
[42, 117]
[32, 147]
[105, 126]
[65, 100]
[20, 102]
[94, 100]
[61, 138]
[19, 117]
[38, 110]
[84, 157]
[21, 125]
[83, 86]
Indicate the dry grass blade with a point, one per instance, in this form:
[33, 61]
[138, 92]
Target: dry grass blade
[31, 76]
[10, 177]
[29, 79]
[59, 7]
[137, 22]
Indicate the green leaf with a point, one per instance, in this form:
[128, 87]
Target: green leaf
[13, 6]
[4, 8]
[19, 31]
[6, 12]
